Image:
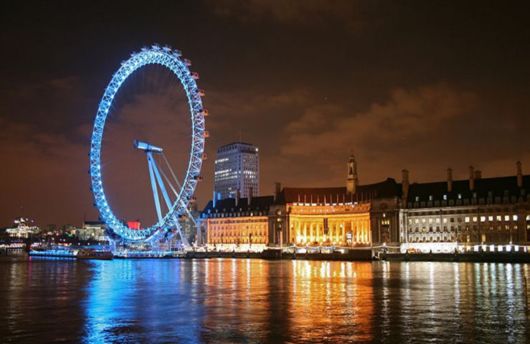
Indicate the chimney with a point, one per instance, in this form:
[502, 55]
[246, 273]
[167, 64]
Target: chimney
[238, 196]
[250, 196]
[471, 178]
[519, 174]
[277, 190]
[449, 180]
[405, 183]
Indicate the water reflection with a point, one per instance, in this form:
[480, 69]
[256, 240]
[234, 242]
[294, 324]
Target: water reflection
[35, 295]
[146, 301]
[255, 301]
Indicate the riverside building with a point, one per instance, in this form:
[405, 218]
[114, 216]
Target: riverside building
[354, 215]
[236, 170]
[238, 223]
[477, 214]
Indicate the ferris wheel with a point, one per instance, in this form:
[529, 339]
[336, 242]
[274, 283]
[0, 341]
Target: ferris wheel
[171, 197]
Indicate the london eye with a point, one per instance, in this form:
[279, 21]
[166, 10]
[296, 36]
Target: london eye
[171, 196]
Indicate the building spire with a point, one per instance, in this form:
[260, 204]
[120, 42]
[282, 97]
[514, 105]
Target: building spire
[353, 180]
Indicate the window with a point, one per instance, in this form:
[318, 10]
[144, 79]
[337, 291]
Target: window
[466, 219]
[499, 218]
[515, 217]
[482, 218]
[445, 197]
[474, 219]
[490, 218]
[506, 217]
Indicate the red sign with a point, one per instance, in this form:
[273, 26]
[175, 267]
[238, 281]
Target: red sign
[133, 224]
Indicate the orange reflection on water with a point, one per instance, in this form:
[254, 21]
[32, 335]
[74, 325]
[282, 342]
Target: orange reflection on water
[330, 298]
[308, 301]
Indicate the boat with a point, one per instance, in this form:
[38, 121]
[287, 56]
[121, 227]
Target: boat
[87, 253]
[55, 253]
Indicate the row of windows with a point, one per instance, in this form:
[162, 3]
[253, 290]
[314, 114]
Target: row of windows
[237, 235]
[235, 227]
[432, 239]
[238, 241]
[468, 238]
[229, 221]
[459, 229]
[223, 215]
[236, 230]
[468, 219]
[450, 211]
[474, 195]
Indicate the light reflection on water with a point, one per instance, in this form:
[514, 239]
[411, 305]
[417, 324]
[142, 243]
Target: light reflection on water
[256, 301]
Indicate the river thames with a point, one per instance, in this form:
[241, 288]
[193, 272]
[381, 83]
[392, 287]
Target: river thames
[258, 301]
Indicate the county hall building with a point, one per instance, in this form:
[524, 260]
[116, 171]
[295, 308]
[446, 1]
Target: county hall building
[354, 215]
[490, 214]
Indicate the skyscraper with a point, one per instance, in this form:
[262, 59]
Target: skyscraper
[237, 168]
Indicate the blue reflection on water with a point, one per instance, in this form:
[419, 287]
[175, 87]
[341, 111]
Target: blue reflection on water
[128, 300]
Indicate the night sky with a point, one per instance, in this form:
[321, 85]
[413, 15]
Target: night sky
[422, 85]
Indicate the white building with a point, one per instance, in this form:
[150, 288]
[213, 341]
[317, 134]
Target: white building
[92, 230]
[24, 228]
[237, 168]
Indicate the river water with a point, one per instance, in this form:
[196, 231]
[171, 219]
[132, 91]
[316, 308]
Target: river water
[257, 301]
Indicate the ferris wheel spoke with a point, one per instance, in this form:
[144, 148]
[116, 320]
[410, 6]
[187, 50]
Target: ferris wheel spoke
[171, 170]
[154, 187]
[175, 192]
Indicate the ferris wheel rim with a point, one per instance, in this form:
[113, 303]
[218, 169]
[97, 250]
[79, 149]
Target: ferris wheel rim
[171, 59]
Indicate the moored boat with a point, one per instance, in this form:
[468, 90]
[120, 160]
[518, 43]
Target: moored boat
[87, 253]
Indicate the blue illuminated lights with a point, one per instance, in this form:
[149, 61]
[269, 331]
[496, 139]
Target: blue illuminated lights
[172, 60]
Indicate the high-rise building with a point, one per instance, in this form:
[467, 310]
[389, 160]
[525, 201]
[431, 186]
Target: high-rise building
[237, 170]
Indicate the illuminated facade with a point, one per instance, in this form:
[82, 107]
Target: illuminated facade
[491, 214]
[353, 215]
[24, 228]
[237, 224]
[343, 224]
[237, 169]
[335, 216]
[475, 214]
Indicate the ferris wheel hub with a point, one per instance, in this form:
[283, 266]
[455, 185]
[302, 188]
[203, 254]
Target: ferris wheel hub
[147, 147]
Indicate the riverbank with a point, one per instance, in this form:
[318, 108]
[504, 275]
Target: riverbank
[478, 257]
[367, 255]
[348, 255]
[276, 254]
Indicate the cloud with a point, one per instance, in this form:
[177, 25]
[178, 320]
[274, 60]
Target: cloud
[407, 115]
[46, 177]
[424, 129]
[307, 12]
